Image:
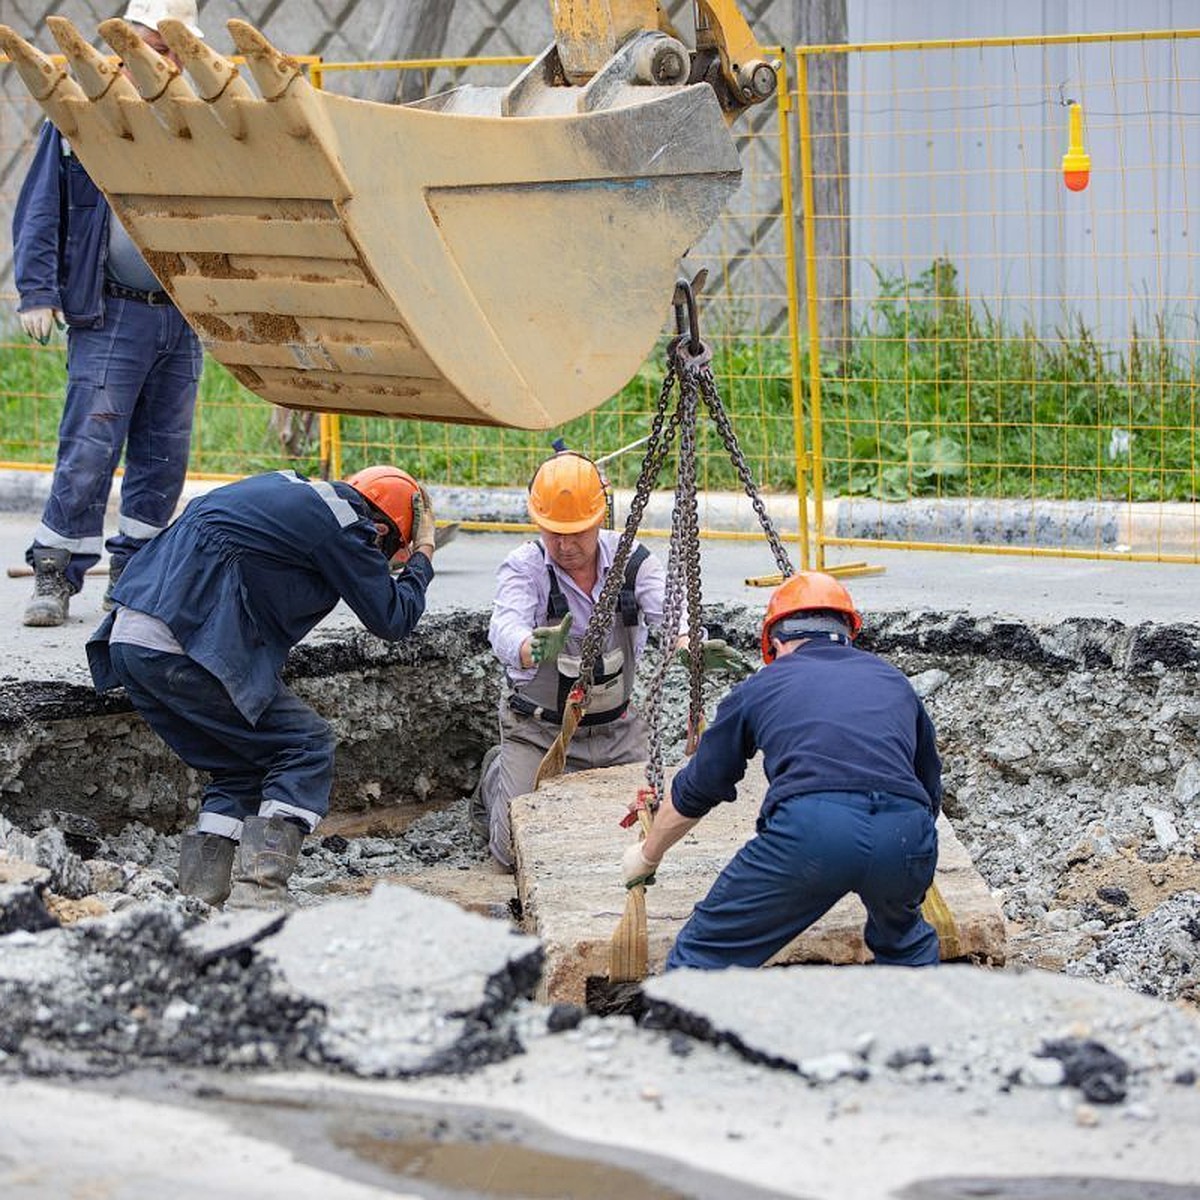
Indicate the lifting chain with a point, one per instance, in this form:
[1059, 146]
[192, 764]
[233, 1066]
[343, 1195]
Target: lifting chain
[689, 361]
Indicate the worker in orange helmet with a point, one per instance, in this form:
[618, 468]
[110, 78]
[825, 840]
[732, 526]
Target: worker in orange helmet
[546, 591]
[205, 616]
[854, 789]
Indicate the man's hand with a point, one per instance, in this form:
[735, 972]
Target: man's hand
[424, 536]
[716, 654]
[636, 868]
[547, 641]
[39, 323]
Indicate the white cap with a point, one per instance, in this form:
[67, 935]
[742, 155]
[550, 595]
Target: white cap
[150, 12]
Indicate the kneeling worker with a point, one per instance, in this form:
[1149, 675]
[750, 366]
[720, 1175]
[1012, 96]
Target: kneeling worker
[546, 591]
[854, 789]
[206, 614]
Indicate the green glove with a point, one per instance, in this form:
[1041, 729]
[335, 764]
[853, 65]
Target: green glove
[716, 654]
[547, 641]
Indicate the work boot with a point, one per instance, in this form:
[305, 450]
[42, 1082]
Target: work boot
[266, 857]
[51, 591]
[205, 863]
[114, 573]
[477, 813]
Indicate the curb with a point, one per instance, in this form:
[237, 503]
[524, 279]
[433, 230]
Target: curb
[1108, 526]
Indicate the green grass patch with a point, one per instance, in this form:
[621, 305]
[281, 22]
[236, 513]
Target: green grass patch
[936, 396]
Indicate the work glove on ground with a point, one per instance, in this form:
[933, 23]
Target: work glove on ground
[424, 524]
[716, 654]
[547, 641]
[39, 323]
[636, 868]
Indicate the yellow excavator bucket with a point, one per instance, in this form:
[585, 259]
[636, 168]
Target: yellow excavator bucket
[499, 256]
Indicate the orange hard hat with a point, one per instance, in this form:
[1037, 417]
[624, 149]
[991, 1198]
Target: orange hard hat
[567, 494]
[391, 491]
[807, 591]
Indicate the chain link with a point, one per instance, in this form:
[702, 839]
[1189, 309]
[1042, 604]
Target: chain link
[716, 408]
[689, 362]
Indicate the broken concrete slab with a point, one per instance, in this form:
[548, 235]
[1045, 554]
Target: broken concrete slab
[230, 933]
[568, 848]
[478, 889]
[958, 1024]
[410, 984]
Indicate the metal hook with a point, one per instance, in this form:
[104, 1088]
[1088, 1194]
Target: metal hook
[685, 306]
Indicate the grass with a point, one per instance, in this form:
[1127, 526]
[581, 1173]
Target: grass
[936, 397]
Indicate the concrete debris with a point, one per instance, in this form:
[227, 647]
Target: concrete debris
[979, 1033]
[23, 896]
[394, 984]
[1158, 955]
[1090, 1066]
[410, 984]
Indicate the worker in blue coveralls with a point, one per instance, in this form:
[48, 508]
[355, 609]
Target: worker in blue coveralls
[204, 618]
[854, 790]
[133, 363]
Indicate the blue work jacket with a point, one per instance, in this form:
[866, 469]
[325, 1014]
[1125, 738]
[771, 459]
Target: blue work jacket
[827, 718]
[250, 568]
[60, 235]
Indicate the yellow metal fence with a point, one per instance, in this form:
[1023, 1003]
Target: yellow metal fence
[931, 343]
[1003, 364]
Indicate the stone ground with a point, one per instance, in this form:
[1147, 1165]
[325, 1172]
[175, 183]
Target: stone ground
[1070, 745]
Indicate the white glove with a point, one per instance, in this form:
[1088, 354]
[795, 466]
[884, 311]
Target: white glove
[39, 323]
[636, 867]
[424, 524]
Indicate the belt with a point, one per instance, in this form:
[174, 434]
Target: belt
[127, 293]
[525, 707]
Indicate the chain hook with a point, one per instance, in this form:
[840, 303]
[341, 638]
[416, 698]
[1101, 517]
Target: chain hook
[687, 315]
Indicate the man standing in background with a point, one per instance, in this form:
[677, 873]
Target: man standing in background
[133, 363]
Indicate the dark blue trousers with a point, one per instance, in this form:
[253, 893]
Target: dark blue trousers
[131, 386]
[282, 765]
[809, 853]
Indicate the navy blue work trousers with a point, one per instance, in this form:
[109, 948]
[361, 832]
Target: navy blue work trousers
[283, 765]
[131, 386]
[810, 852]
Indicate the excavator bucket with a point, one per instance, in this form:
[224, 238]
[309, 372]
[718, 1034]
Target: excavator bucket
[497, 256]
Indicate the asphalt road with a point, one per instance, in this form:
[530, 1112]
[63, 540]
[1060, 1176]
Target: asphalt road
[1038, 590]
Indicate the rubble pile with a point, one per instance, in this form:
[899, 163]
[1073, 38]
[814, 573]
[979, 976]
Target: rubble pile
[396, 984]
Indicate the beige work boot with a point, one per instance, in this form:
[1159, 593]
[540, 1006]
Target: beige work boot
[205, 865]
[51, 591]
[266, 857]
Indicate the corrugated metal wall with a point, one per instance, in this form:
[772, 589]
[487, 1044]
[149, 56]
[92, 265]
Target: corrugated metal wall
[1132, 234]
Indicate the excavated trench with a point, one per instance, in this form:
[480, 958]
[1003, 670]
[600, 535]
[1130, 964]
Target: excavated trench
[1070, 753]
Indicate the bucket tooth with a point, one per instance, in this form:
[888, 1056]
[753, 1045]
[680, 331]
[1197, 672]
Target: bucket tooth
[273, 71]
[48, 82]
[101, 80]
[280, 78]
[157, 79]
[217, 81]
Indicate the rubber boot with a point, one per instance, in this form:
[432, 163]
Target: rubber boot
[205, 864]
[114, 573]
[51, 591]
[265, 859]
[477, 813]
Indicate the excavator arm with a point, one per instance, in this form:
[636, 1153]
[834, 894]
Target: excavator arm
[500, 256]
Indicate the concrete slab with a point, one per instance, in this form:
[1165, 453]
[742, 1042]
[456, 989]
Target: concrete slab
[568, 846]
[409, 983]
